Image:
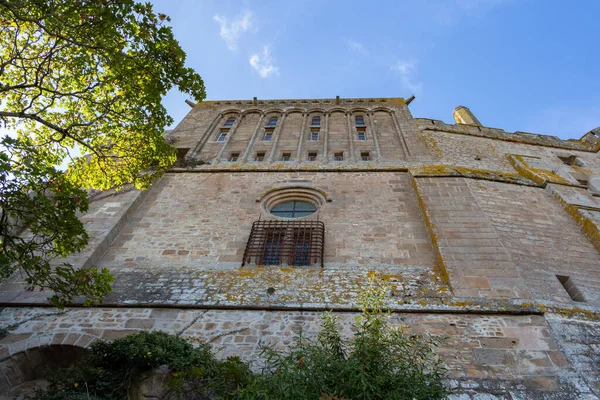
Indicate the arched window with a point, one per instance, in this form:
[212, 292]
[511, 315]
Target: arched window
[293, 209]
[229, 121]
[359, 120]
[272, 121]
[316, 121]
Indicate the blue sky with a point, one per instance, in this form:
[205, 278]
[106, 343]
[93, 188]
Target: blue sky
[527, 65]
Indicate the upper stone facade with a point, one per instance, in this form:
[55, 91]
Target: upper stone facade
[488, 237]
[328, 132]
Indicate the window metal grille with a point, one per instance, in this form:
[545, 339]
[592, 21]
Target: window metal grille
[300, 243]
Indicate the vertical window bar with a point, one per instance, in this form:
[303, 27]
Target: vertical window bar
[291, 242]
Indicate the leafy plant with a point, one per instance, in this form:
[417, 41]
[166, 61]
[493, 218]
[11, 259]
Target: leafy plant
[382, 362]
[108, 371]
[78, 77]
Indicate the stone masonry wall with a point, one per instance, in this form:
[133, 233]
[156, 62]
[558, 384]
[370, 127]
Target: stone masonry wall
[205, 220]
[502, 214]
[511, 357]
[504, 240]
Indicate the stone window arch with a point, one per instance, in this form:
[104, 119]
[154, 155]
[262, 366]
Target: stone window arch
[359, 120]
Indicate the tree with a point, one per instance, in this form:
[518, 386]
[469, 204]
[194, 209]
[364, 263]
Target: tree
[78, 76]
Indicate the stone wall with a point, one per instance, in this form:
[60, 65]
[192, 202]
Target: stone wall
[205, 219]
[507, 356]
[489, 238]
[504, 240]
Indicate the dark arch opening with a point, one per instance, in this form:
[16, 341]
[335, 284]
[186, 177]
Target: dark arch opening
[32, 364]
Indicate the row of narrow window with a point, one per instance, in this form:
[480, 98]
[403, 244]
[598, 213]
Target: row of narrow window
[359, 121]
[314, 135]
[312, 156]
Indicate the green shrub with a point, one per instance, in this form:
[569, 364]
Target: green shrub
[380, 363]
[106, 373]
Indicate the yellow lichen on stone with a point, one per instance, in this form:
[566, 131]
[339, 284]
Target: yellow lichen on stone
[451, 170]
[441, 266]
[537, 175]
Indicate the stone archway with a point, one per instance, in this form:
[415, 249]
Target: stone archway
[23, 372]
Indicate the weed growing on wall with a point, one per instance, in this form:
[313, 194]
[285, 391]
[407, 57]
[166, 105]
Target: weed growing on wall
[382, 362]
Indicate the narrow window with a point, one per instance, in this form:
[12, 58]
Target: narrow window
[359, 120]
[272, 121]
[268, 135]
[365, 156]
[316, 121]
[286, 156]
[362, 136]
[260, 156]
[274, 241]
[229, 121]
[569, 160]
[570, 287]
[314, 135]
[180, 162]
[222, 137]
[338, 156]
[301, 251]
[312, 156]
[234, 156]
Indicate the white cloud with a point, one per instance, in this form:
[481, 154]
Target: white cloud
[356, 47]
[231, 30]
[262, 63]
[406, 70]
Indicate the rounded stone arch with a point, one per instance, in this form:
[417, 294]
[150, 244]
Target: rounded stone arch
[253, 111]
[294, 110]
[231, 111]
[316, 110]
[337, 109]
[281, 194]
[383, 109]
[354, 110]
[274, 111]
[30, 364]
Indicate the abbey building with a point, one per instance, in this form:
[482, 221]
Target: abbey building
[279, 209]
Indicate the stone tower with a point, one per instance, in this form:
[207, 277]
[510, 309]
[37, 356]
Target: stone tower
[279, 209]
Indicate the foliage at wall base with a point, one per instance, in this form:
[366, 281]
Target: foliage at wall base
[381, 362]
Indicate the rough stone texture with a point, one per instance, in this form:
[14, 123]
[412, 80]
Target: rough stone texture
[205, 219]
[503, 352]
[467, 227]
[495, 239]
